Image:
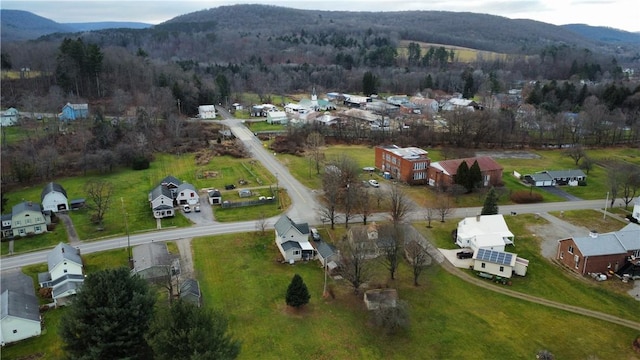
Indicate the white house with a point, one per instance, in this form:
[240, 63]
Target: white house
[277, 117]
[54, 198]
[207, 111]
[65, 275]
[19, 317]
[9, 117]
[636, 209]
[161, 202]
[499, 263]
[484, 231]
[292, 240]
[187, 194]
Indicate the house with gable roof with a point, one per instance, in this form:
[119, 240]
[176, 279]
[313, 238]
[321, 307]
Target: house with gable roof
[190, 291]
[27, 218]
[154, 263]
[171, 183]
[19, 310]
[54, 198]
[484, 231]
[19, 316]
[161, 202]
[601, 253]
[65, 272]
[441, 173]
[292, 239]
[187, 194]
[9, 117]
[207, 111]
[72, 112]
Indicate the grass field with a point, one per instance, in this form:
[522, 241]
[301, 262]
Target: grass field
[450, 318]
[462, 54]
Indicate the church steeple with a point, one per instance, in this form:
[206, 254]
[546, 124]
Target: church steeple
[314, 96]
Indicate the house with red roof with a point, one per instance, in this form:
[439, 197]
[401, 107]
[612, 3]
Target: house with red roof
[441, 173]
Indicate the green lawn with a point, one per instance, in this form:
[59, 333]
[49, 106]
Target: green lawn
[450, 318]
[544, 278]
[131, 195]
[37, 242]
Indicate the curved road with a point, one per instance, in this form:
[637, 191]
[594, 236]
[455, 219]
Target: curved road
[304, 209]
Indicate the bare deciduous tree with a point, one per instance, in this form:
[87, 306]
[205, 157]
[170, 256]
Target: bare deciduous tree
[261, 223]
[443, 206]
[429, 214]
[354, 262]
[417, 257]
[400, 204]
[315, 142]
[390, 241]
[99, 193]
[575, 152]
[363, 199]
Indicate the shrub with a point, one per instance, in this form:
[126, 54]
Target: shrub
[525, 197]
[140, 163]
[582, 183]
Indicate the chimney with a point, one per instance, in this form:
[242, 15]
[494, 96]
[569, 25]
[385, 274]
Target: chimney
[63, 250]
[593, 234]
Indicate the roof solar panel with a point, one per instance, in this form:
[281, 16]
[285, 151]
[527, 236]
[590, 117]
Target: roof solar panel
[493, 256]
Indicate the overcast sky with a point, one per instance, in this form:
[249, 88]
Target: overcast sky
[620, 14]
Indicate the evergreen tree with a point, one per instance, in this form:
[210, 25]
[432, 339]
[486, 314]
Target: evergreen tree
[369, 83]
[185, 331]
[490, 206]
[475, 176]
[109, 317]
[297, 292]
[462, 176]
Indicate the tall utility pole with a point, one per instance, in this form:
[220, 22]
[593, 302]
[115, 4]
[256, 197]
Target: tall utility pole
[126, 226]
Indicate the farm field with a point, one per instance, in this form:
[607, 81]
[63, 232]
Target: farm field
[462, 54]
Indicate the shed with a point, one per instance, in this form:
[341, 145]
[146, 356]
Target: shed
[190, 291]
[54, 198]
[215, 197]
[74, 112]
[277, 117]
[9, 117]
[207, 111]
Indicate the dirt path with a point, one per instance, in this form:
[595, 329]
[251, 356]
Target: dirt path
[186, 258]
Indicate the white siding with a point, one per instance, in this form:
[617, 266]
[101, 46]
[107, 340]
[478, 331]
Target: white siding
[23, 328]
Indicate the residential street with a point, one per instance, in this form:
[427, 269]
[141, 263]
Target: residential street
[304, 209]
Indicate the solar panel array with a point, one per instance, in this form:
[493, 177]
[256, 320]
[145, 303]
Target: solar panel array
[497, 257]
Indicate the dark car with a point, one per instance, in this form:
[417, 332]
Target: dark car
[229, 187]
[464, 255]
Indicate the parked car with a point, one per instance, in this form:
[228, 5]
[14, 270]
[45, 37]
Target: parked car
[186, 208]
[374, 183]
[196, 208]
[229, 187]
[315, 234]
[464, 255]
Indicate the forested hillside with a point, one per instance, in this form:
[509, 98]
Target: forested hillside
[150, 79]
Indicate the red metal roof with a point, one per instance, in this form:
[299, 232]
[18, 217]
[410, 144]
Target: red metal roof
[486, 163]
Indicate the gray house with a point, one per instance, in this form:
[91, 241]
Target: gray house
[66, 272]
[153, 262]
[292, 239]
[555, 177]
[161, 202]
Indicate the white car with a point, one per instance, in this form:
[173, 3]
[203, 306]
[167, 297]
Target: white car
[186, 208]
[374, 183]
[196, 208]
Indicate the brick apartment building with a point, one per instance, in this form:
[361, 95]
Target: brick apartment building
[408, 165]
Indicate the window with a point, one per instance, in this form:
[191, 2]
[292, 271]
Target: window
[28, 221]
[561, 254]
[38, 228]
[18, 222]
[296, 252]
[501, 268]
[64, 271]
[15, 331]
[576, 258]
[193, 194]
[570, 249]
[483, 265]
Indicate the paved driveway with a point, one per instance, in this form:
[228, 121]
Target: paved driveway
[559, 192]
[205, 216]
